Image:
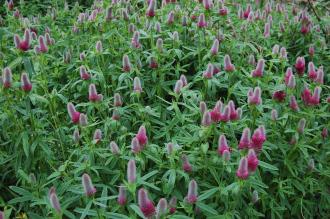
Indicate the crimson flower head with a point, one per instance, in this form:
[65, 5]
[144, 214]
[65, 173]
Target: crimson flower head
[258, 138]
[242, 171]
[300, 65]
[259, 71]
[146, 205]
[7, 77]
[88, 185]
[192, 192]
[186, 166]
[73, 113]
[222, 145]
[24, 44]
[93, 96]
[151, 9]
[253, 161]
[201, 23]
[142, 136]
[279, 96]
[121, 200]
[228, 66]
[245, 141]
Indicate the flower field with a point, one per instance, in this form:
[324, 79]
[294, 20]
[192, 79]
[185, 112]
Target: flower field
[164, 109]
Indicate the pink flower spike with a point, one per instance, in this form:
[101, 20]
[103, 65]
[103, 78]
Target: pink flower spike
[225, 116]
[99, 47]
[161, 208]
[135, 146]
[93, 96]
[320, 75]
[242, 171]
[172, 205]
[74, 115]
[222, 145]
[245, 141]
[146, 205]
[170, 18]
[7, 77]
[186, 166]
[121, 200]
[83, 73]
[267, 30]
[283, 53]
[76, 136]
[117, 101]
[315, 100]
[215, 47]
[97, 137]
[228, 66]
[258, 138]
[142, 136]
[42, 47]
[83, 120]
[274, 115]
[201, 21]
[206, 120]
[131, 172]
[324, 133]
[223, 11]
[292, 82]
[184, 80]
[255, 97]
[192, 192]
[300, 65]
[126, 64]
[275, 49]
[208, 4]
[137, 85]
[311, 71]
[253, 161]
[293, 103]
[178, 86]
[288, 74]
[258, 72]
[209, 71]
[216, 112]
[114, 148]
[202, 107]
[89, 189]
[54, 200]
[135, 42]
[311, 51]
[151, 8]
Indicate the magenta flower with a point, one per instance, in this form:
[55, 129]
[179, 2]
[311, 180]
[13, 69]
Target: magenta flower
[153, 63]
[279, 95]
[311, 71]
[159, 44]
[142, 136]
[24, 44]
[206, 120]
[151, 9]
[121, 200]
[267, 30]
[258, 72]
[209, 71]
[83, 119]
[192, 192]
[135, 42]
[324, 133]
[178, 86]
[208, 4]
[93, 96]
[109, 14]
[300, 65]
[201, 23]
[131, 171]
[254, 97]
[7, 77]
[83, 73]
[228, 66]
[215, 47]
[253, 161]
[135, 146]
[311, 51]
[42, 47]
[10, 6]
[276, 49]
[2, 215]
[25, 82]
[99, 46]
[97, 136]
[114, 148]
[287, 76]
[54, 200]
[146, 205]
[126, 64]
[202, 107]
[292, 82]
[74, 115]
[293, 103]
[137, 85]
[242, 171]
[216, 112]
[89, 189]
[186, 166]
[319, 75]
[172, 205]
[283, 53]
[235, 114]
[184, 80]
[274, 114]
[170, 18]
[258, 138]
[222, 145]
[245, 141]
[223, 11]
[162, 208]
[117, 101]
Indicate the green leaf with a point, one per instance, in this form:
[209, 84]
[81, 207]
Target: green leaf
[207, 208]
[85, 212]
[207, 194]
[267, 166]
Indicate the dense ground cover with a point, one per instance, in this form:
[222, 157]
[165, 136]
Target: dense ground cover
[179, 109]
